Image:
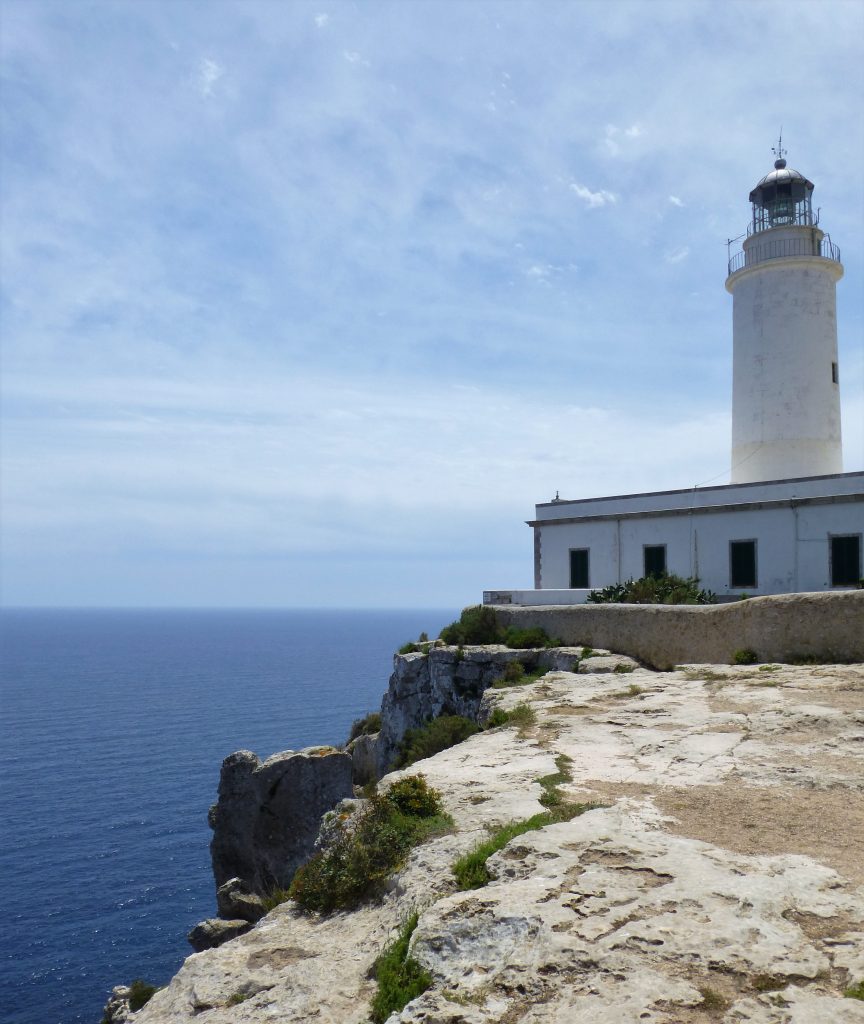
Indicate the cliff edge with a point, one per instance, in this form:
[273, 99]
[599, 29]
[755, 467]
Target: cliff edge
[720, 880]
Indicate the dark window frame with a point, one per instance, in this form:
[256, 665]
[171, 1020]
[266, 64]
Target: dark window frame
[655, 547]
[587, 583]
[735, 584]
[858, 573]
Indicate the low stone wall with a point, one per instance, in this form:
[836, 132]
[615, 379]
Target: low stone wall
[778, 628]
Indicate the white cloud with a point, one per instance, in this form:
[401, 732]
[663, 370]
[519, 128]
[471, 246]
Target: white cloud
[593, 199]
[207, 75]
[353, 57]
[675, 201]
[633, 132]
[321, 20]
[677, 255]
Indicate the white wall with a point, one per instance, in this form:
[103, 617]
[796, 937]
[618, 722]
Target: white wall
[792, 546]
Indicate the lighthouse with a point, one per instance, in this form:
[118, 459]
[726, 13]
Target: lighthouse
[785, 389]
[790, 521]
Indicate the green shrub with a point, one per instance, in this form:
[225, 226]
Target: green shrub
[855, 992]
[525, 639]
[365, 726]
[413, 795]
[745, 656]
[362, 851]
[523, 716]
[476, 625]
[275, 898]
[409, 648]
[470, 870]
[400, 977]
[140, 993]
[514, 672]
[665, 589]
[622, 670]
[439, 734]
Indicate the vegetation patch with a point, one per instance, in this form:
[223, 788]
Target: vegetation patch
[433, 737]
[479, 625]
[632, 691]
[660, 589]
[362, 850]
[523, 716]
[399, 976]
[470, 870]
[366, 726]
[414, 796]
[622, 669]
[745, 656]
[515, 674]
[275, 898]
[140, 993]
[855, 992]
[712, 1001]
[552, 795]
[238, 998]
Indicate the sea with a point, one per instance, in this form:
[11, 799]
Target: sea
[113, 726]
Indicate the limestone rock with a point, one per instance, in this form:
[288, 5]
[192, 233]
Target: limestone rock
[267, 816]
[235, 900]
[364, 758]
[446, 681]
[725, 860]
[117, 1008]
[214, 932]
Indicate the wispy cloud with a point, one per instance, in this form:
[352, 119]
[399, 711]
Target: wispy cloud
[207, 74]
[593, 199]
[677, 255]
[321, 20]
[675, 201]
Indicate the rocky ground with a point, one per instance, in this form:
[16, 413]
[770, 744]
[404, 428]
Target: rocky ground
[721, 881]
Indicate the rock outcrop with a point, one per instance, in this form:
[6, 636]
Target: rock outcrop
[718, 878]
[449, 681]
[267, 815]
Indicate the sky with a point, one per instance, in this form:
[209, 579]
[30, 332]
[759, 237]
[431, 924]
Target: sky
[308, 304]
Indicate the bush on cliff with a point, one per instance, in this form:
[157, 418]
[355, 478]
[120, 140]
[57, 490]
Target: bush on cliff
[365, 726]
[663, 589]
[478, 625]
[439, 734]
[365, 848]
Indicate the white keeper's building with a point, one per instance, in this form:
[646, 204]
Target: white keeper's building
[791, 520]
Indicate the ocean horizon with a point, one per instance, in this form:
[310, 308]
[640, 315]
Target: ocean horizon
[113, 727]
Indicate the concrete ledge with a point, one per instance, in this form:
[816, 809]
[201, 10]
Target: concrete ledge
[778, 628]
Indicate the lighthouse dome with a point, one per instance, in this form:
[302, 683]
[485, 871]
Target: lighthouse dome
[782, 180]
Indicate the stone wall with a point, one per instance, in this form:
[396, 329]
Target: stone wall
[778, 628]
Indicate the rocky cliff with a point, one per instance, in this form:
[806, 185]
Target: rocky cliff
[720, 880]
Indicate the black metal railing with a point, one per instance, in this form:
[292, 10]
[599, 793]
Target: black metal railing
[779, 248]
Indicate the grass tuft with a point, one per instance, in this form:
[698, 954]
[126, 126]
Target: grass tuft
[470, 870]
[400, 977]
[855, 992]
[140, 993]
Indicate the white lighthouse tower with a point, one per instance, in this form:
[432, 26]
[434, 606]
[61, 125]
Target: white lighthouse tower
[785, 392]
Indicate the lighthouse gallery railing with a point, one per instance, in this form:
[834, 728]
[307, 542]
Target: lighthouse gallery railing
[778, 248]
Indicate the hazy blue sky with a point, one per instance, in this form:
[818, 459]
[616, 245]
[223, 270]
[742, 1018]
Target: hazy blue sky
[308, 303]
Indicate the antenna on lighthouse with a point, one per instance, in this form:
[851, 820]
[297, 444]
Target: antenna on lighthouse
[779, 151]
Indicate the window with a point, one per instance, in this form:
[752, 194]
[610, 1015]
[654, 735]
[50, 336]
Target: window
[579, 569]
[742, 563]
[846, 560]
[835, 377]
[655, 559]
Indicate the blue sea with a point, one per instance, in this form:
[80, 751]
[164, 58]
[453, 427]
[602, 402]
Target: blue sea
[113, 725]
